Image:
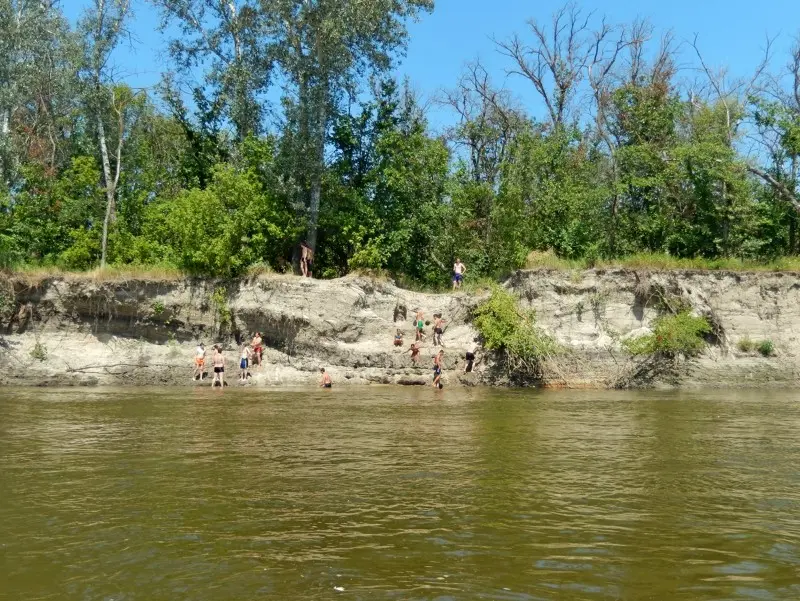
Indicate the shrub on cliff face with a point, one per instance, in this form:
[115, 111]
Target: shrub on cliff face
[673, 335]
[766, 348]
[512, 331]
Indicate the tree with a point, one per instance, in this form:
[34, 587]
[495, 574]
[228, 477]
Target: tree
[35, 85]
[324, 48]
[103, 26]
[228, 39]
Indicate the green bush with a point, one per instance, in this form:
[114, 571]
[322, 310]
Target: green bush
[220, 302]
[673, 335]
[766, 348]
[508, 329]
[39, 351]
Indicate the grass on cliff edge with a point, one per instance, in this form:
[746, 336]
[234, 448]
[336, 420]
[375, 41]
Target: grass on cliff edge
[33, 275]
[548, 260]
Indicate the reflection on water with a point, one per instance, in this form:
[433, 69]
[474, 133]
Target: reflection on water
[386, 493]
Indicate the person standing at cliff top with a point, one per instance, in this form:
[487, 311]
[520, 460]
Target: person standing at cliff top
[244, 362]
[219, 367]
[306, 259]
[199, 362]
[458, 273]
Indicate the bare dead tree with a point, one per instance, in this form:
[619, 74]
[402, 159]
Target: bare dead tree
[732, 94]
[556, 60]
[488, 121]
[784, 173]
[607, 50]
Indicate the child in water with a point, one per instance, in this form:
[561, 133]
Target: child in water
[326, 379]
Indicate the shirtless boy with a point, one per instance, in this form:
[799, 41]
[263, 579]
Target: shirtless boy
[326, 379]
[218, 360]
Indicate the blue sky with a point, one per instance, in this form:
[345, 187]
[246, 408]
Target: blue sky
[731, 32]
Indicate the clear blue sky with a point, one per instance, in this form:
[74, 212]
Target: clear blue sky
[732, 33]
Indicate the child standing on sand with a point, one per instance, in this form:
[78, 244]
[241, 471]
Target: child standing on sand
[257, 349]
[219, 367]
[458, 273]
[244, 361]
[199, 362]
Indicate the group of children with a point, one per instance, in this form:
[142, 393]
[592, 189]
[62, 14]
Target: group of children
[438, 359]
[252, 353]
[217, 362]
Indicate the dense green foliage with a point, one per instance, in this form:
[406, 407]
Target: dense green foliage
[506, 328]
[217, 180]
[672, 336]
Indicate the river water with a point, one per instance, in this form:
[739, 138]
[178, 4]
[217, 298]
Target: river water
[389, 493]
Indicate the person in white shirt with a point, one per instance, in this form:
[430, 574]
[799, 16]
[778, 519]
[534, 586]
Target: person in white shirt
[199, 361]
[458, 273]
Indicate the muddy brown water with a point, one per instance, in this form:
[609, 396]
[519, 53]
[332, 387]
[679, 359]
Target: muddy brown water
[390, 493]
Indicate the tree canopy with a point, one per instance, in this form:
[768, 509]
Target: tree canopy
[278, 122]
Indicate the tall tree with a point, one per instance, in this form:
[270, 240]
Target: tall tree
[324, 48]
[103, 26]
[32, 78]
[228, 39]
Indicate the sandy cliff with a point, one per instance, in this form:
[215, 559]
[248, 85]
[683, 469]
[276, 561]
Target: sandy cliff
[78, 331]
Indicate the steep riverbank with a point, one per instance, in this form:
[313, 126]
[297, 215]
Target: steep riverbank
[78, 331]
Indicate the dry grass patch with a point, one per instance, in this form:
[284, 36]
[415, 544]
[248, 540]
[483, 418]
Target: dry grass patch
[34, 276]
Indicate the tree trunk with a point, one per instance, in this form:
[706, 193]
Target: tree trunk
[111, 189]
[319, 129]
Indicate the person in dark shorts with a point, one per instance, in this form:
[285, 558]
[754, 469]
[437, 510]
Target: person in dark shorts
[458, 273]
[219, 367]
[469, 362]
[326, 379]
[437, 370]
[438, 329]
